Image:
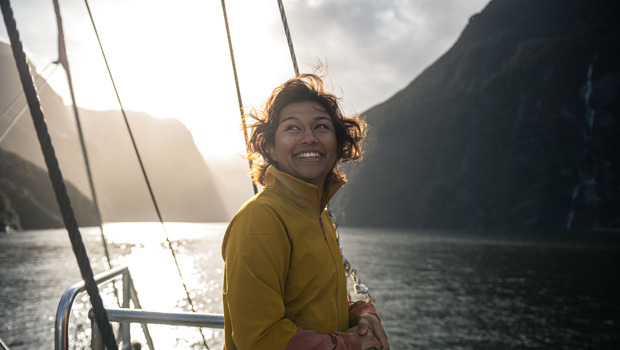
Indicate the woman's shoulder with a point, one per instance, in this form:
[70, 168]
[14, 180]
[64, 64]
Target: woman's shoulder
[265, 208]
[259, 218]
[267, 200]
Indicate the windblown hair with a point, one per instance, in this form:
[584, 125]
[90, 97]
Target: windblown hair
[350, 131]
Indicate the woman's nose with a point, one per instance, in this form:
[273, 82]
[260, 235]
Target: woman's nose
[308, 137]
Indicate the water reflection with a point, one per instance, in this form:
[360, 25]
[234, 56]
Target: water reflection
[145, 250]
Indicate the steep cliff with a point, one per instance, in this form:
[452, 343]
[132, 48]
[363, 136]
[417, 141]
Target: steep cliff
[515, 127]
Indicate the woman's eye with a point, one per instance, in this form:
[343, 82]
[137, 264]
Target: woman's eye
[292, 127]
[322, 126]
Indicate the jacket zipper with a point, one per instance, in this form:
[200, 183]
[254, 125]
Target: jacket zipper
[335, 266]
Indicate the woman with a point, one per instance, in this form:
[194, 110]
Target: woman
[284, 280]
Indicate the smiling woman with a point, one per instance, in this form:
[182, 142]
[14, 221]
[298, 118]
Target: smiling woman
[282, 245]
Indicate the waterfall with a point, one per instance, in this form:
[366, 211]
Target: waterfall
[587, 134]
[590, 112]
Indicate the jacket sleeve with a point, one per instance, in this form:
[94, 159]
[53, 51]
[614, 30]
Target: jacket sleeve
[311, 340]
[308, 339]
[256, 252]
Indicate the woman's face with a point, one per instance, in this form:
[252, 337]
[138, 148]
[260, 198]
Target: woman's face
[305, 142]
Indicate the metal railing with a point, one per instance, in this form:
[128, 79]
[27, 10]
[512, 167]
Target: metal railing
[124, 316]
[3, 346]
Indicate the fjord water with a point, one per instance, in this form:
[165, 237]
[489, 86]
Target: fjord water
[433, 289]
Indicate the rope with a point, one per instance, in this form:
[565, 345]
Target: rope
[55, 174]
[288, 37]
[141, 163]
[64, 62]
[349, 271]
[234, 68]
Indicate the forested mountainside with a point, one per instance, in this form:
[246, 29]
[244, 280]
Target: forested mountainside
[515, 127]
[27, 199]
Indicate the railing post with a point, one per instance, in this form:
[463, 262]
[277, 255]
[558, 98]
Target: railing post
[126, 289]
[136, 304]
[3, 346]
[124, 330]
[96, 342]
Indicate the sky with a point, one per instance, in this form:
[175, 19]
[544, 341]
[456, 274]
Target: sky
[171, 59]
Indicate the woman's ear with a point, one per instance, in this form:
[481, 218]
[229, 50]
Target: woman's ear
[272, 152]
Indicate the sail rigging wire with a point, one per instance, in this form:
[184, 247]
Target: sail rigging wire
[288, 37]
[56, 177]
[141, 163]
[42, 84]
[21, 93]
[64, 62]
[234, 68]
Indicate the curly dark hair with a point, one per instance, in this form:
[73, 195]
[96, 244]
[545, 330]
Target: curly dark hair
[350, 131]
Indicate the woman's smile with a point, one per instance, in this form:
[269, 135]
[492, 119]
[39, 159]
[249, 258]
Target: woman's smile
[309, 155]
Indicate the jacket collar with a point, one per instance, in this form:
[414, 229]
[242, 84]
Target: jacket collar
[302, 193]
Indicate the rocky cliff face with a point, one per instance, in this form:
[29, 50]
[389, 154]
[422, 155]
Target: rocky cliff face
[515, 127]
[27, 199]
[182, 183]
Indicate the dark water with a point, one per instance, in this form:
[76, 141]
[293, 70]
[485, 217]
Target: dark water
[468, 290]
[433, 289]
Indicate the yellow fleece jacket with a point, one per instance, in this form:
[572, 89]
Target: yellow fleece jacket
[284, 281]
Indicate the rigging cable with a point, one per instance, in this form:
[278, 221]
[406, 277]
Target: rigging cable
[359, 287]
[42, 84]
[56, 178]
[234, 68]
[64, 62]
[146, 179]
[288, 37]
[21, 93]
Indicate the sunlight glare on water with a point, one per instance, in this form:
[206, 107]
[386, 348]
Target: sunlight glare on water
[143, 247]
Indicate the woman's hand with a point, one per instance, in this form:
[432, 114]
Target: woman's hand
[369, 341]
[370, 324]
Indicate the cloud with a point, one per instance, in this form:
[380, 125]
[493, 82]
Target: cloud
[377, 47]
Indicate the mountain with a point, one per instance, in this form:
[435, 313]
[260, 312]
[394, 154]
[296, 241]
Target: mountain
[28, 200]
[515, 127]
[180, 179]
